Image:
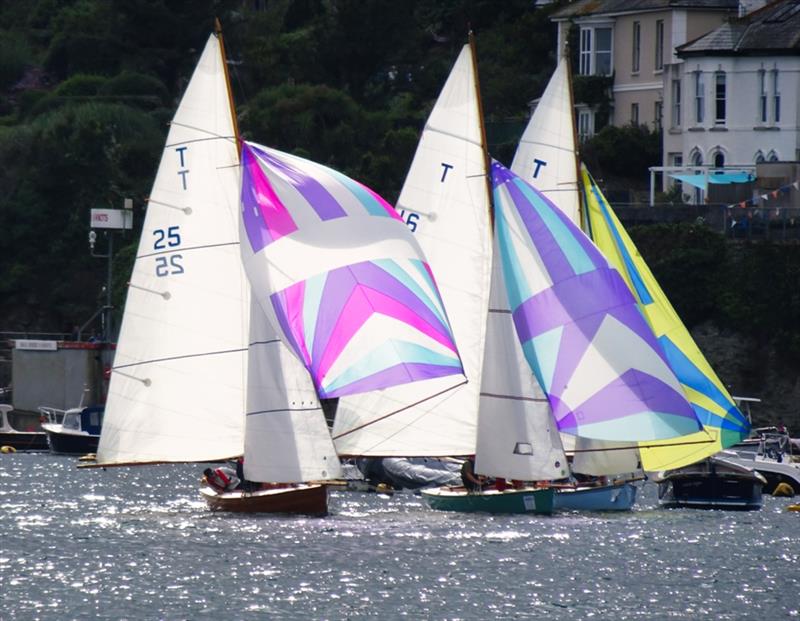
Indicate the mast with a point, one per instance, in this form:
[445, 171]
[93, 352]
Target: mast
[583, 222]
[234, 120]
[484, 146]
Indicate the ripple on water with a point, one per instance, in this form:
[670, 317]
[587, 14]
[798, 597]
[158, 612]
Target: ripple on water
[140, 543]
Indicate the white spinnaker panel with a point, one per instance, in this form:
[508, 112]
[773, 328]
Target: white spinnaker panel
[286, 437]
[445, 201]
[517, 435]
[177, 388]
[547, 153]
[601, 458]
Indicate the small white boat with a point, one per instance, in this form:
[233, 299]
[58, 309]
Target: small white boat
[33, 439]
[772, 453]
[78, 432]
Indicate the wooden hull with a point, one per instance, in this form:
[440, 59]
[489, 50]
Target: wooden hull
[300, 500]
[601, 498]
[528, 500]
[24, 440]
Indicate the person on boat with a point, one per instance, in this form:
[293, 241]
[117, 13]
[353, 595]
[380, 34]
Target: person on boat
[247, 486]
[471, 481]
[222, 479]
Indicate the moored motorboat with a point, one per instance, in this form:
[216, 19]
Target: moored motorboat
[299, 499]
[78, 433]
[537, 500]
[713, 483]
[773, 453]
[17, 439]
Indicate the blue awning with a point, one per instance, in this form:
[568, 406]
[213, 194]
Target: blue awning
[700, 180]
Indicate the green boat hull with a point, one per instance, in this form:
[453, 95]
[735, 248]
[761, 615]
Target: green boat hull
[528, 500]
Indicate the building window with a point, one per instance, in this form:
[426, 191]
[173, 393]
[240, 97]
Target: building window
[676, 103]
[699, 97]
[634, 114]
[762, 96]
[585, 128]
[772, 157]
[659, 45]
[719, 98]
[658, 115]
[637, 42]
[719, 159]
[676, 159]
[776, 98]
[759, 159]
[595, 54]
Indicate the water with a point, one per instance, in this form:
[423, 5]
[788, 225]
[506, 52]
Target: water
[138, 543]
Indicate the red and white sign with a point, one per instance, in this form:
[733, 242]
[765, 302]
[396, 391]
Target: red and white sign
[111, 219]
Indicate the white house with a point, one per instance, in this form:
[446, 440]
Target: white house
[731, 98]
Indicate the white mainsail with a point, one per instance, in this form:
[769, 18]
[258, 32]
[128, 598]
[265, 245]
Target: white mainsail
[547, 153]
[445, 202]
[177, 386]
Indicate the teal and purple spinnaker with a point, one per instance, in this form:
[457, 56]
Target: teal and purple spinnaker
[341, 276]
[583, 335]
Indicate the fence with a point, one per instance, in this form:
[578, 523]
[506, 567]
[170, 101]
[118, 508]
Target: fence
[742, 223]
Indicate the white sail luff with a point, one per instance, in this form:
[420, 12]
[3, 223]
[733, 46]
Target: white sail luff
[445, 199]
[176, 392]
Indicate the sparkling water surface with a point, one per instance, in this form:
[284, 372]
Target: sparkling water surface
[139, 543]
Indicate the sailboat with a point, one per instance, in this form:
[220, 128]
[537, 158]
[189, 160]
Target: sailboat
[446, 201]
[547, 157]
[209, 368]
[693, 461]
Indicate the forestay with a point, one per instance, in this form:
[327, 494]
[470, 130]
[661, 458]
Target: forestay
[177, 386]
[723, 423]
[582, 333]
[445, 202]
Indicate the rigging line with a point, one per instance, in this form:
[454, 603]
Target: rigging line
[278, 410]
[184, 357]
[513, 397]
[212, 135]
[411, 405]
[187, 248]
[639, 446]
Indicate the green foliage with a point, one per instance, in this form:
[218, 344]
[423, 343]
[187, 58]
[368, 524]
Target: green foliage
[14, 57]
[135, 89]
[622, 152]
[688, 261]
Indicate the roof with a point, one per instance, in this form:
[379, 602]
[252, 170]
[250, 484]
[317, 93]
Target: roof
[585, 8]
[773, 29]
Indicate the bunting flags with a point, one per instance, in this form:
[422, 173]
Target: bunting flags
[767, 196]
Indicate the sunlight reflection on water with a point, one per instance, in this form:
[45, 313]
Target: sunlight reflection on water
[140, 543]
